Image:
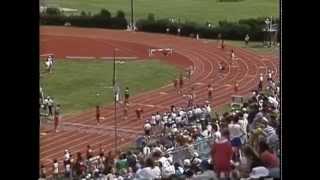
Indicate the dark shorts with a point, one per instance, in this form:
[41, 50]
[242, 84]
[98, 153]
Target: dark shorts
[126, 96]
[236, 142]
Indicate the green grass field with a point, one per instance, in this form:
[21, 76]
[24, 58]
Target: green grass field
[75, 84]
[254, 46]
[192, 10]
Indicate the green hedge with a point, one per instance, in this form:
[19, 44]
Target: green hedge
[229, 30]
[103, 19]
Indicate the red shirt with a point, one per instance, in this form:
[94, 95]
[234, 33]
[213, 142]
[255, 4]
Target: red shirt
[221, 156]
[269, 159]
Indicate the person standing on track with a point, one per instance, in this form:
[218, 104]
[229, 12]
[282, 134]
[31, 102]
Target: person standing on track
[98, 114]
[125, 111]
[270, 72]
[236, 87]
[260, 85]
[246, 39]
[233, 56]
[139, 112]
[55, 168]
[210, 92]
[181, 81]
[222, 44]
[50, 106]
[175, 84]
[126, 95]
[56, 122]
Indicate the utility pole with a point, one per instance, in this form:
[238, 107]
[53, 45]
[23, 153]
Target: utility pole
[132, 27]
[115, 103]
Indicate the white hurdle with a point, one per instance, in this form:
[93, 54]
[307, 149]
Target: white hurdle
[152, 50]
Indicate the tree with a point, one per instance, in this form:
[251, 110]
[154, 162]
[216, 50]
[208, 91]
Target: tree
[151, 17]
[120, 14]
[53, 12]
[105, 13]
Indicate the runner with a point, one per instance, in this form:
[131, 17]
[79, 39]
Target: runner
[181, 81]
[50, 106]
[233, 56]
[98, 114]
[139, 112]
[126, 95]
[236, 87]
[190, 100]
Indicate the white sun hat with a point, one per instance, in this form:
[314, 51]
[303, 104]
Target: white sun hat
[259, 172]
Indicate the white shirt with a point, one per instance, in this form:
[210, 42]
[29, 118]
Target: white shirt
[261, 78]
[146, 151]
[55, 168]
[173, 115]
[68, 167]
[66, 156]
[182, 113]
[147, 126]
[178, 119]
[156, 170]
[158, 117]
[243, 124]
[209, 109]
[146, 173]
[235, 130]
[198, 111]
[217, 135]
[167, 168]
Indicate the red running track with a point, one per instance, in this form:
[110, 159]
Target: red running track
[202, 55]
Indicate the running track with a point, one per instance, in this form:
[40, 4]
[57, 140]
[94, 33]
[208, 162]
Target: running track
[80, 129]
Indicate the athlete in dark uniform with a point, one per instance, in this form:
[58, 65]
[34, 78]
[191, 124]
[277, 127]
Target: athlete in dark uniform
[126, 95]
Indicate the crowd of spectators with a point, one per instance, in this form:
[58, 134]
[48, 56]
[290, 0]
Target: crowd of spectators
[243, 144]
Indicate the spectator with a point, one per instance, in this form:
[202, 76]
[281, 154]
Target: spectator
[236, 134]
[55, 168]
[251, 159]
[147, 128]
[268, 158]
[132, 161]
[147, 172]
[43, 172]
[222, 154]
[89, 152]
[258, 173]
[121, 163]
[111, 174]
